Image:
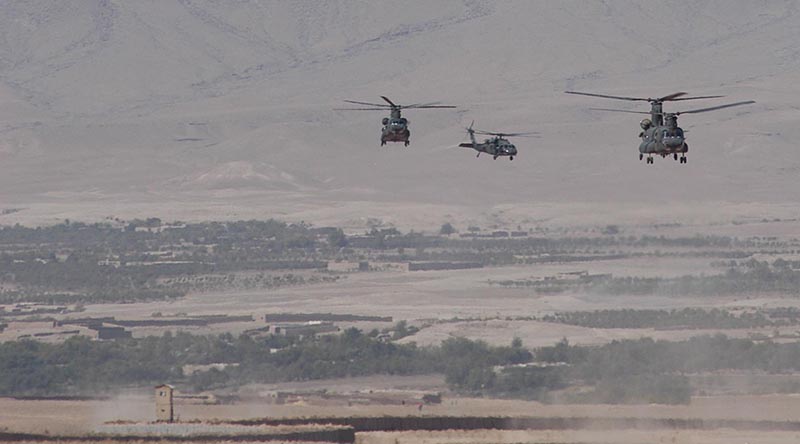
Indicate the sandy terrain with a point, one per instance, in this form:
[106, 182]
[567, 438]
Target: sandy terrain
[582, 436]
[79, 416]
[424, 297]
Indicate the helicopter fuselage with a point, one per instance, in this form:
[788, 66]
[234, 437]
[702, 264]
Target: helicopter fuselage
[495, 147]
[395, 128]
[663, 140]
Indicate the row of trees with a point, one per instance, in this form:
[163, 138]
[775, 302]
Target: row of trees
[686, 318]
[129, 261]
[619, 372]
[748, 277]
[755, 276]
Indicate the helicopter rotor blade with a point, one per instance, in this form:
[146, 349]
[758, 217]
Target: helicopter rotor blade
[636, 99]
[524, 136]
[529, 134]
[428, 106]
[367, 103]
[674, 97]
[669, 97]
[619, 110]
[417, 105]
[392, 105]
[359, 109]
[389, 101]
[695, 98]
[714, 108]
[489, 133]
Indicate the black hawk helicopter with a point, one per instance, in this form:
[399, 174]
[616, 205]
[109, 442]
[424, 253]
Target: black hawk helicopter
[496, 146]
[660, 134]
[395, 127]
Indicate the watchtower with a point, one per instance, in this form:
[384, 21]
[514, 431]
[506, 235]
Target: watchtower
[164, 404]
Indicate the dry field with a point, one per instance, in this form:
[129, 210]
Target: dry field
[63, 417]
[426, 298]
[582, 437]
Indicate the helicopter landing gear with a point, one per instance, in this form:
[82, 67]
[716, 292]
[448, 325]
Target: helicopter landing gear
[510, 157]
[641, 156]
[383, 142]
[675, 156]
[650, 160]
[407, 142]
[683, 159]
[495, 157]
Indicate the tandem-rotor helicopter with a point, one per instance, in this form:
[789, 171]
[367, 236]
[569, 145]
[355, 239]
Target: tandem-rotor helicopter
[496, 146]
[395, 127]
[660, 134]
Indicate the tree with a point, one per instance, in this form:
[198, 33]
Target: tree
[447, 229]
[337, 239]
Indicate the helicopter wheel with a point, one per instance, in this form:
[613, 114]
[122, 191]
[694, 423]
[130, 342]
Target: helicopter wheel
[675, 156]
[407, 142]
[510, 157]
[495, 157]
[641, 156]
[383, 142]
[683, 159]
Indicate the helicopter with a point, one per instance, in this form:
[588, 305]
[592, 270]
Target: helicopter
[496, 146]
[660, 134]
[395, 127]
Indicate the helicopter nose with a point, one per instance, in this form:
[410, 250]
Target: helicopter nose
[512, 150]
[673, 142]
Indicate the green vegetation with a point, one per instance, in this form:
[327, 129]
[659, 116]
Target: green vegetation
[447, 229]
[754, 276]
[148, 260]
[620, 372]
[140, 260]
[687, 318]
[751, 276]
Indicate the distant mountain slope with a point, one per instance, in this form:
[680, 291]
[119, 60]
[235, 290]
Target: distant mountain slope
[167, 99]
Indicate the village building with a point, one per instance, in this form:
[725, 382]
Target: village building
[109, 332]
[347, 266]
[165, 409]
[303, 329]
